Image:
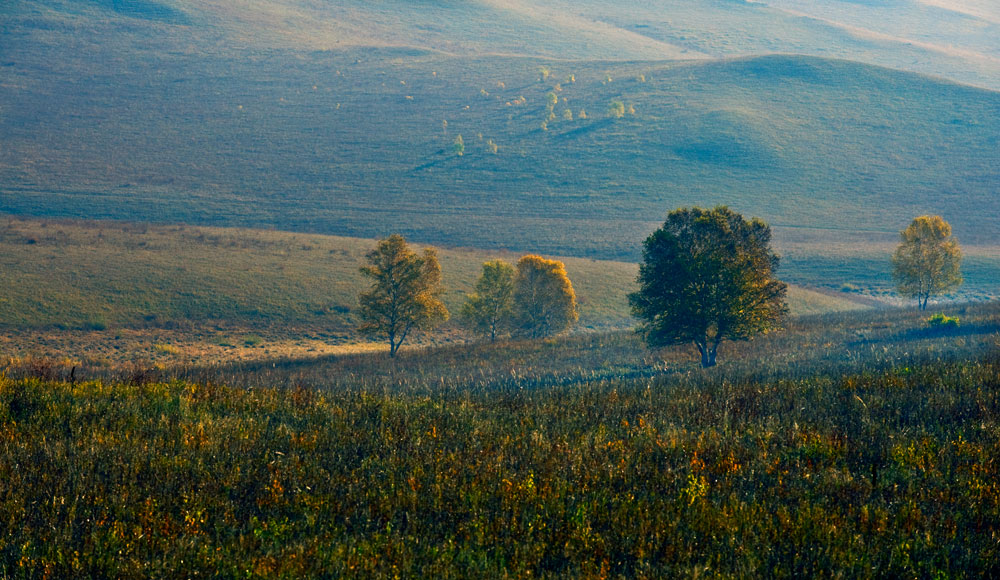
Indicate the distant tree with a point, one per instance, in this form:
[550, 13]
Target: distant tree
[551, 99]
[706, 276]
[459, 146]
[404, 292]
[544, 301]
[927, 261]
[616, 109]
[489, 310]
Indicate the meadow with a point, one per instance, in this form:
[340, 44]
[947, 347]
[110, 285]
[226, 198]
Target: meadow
[107, 292]
[853, 445]
[359, 142]
[182, 392]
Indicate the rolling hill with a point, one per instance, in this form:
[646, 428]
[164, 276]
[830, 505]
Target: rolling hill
[957, 39]
[112, 292]
[213, 113]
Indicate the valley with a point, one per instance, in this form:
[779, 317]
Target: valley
[189, 188]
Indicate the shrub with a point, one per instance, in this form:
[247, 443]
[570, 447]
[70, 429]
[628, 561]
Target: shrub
[942, 321]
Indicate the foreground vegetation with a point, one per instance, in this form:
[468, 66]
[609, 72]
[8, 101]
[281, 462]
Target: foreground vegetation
[853, 445]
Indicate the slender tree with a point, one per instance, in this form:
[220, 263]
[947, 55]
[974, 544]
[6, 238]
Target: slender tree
[616, 109]
[927, 261]
[544, 301]
[404, 292]
[707, 276]
[489, 310]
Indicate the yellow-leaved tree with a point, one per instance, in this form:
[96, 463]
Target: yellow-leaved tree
[544, 301]
[927, 261]
[404, 292]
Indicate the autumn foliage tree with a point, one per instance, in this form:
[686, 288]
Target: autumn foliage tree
[404, 292]
[707, 276]
[544, 300]
[927, 261]
[489, 310]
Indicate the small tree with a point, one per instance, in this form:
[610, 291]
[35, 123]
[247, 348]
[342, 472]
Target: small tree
[616, 109]
[927, 261]
[544, 301]
[459, 146]
[489, 310]
[706, 276]
[404, 293]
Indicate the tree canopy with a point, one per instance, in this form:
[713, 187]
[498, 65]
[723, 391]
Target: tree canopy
[544, 301]
[927, 261]
[404, 292]
[489, 310]
[706, 276]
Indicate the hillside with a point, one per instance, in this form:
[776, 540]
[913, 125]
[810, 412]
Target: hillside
[111, 292]
[215, 113]
[955, 39]
[355, 143]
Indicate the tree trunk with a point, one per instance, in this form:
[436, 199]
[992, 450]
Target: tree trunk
[707, 353]
[707, 358]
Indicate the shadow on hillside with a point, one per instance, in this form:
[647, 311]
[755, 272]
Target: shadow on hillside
[915, 334]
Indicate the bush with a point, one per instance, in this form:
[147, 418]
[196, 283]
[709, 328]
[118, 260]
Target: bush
[942, 321]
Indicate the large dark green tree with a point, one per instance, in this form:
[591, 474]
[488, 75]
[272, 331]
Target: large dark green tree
[708, 276]
[404, 294]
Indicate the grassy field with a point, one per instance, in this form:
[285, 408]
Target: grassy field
[857, 445]
[859, 263]
[956, 39]
[115, 291]
[353, 142]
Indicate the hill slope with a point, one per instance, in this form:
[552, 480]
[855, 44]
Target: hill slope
[355, 143]
[957, 39]
[85, 275]
[116, 291]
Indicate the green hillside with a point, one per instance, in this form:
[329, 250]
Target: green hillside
[98, 275]
[354, 143]
[196, 112]
[955, 39]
